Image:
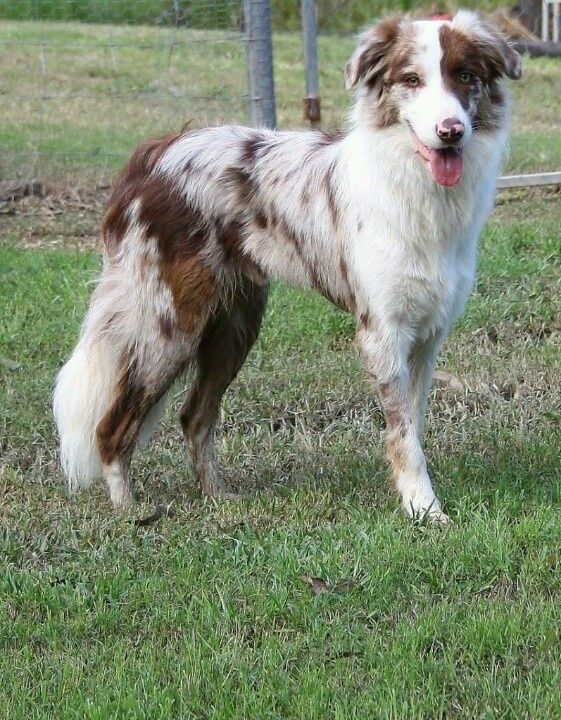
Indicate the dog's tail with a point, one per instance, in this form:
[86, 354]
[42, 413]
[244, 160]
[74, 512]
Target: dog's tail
[84, 390]
[118, 333]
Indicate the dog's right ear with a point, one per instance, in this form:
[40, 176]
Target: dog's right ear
[367, 61]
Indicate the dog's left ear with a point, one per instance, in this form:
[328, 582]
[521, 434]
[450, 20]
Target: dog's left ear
[503, 57]
[367, 61]
[499, 56]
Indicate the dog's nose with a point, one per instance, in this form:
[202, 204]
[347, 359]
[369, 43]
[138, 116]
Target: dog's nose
[450, 130]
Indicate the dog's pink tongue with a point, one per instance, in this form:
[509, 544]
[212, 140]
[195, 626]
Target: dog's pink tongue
[446, 166]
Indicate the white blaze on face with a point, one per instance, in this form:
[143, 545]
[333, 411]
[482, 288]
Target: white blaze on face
[432, 104]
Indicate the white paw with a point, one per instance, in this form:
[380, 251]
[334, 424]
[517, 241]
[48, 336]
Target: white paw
[426, 510]
[438, 518]
[120, 498]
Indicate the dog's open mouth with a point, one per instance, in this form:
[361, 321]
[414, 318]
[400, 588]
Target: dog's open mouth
[445, 164]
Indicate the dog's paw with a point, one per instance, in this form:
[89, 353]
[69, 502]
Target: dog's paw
[426, 512]
[438, 518]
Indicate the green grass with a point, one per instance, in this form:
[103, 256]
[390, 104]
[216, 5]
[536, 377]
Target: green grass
[77, 98]
[333, 15]
[204, 615]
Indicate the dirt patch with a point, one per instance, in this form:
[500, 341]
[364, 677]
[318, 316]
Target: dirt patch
[515, 204]
[62, 217]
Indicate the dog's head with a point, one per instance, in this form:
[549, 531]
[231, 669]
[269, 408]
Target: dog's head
[439, 79]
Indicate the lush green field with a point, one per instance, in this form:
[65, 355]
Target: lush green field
[76, 98]
[205, 614]
[333, 15]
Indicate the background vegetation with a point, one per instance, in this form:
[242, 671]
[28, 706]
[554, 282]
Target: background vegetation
[333, 15]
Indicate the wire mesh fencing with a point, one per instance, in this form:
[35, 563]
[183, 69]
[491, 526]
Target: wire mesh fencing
[83, 82]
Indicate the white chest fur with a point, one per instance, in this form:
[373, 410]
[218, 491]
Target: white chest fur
[415, 249]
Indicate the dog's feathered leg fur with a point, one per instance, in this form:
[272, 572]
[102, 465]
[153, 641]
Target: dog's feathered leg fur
[224, 346]
[386, 356]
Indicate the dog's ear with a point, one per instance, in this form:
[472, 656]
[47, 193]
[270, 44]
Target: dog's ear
[501, 59]
[367, 61]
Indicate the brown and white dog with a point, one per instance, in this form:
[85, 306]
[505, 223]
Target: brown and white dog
[383, 220]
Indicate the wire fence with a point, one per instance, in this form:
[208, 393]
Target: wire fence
[83, 81]
[77, 94]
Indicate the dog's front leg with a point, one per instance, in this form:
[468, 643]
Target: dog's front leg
[422, 362]
[386, 358]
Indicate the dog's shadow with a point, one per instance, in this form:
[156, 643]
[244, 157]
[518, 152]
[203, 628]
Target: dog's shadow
[283, 461]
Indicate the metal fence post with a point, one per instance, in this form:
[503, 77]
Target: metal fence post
[312, 106]
[257, 15]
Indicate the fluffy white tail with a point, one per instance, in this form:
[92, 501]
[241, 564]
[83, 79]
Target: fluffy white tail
[83, 393]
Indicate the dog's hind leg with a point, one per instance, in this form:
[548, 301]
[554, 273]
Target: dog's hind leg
[137, 393]
[225, 343]
[136, 339]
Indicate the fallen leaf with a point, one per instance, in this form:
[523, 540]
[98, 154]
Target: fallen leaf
[160, 512]
[316, 585]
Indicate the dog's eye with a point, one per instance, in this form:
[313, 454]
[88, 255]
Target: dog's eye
[412, 81]
[466, 77]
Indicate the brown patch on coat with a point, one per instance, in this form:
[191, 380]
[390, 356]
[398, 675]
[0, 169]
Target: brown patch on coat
[179, 230]
[398, 58]
[350, 300]
[119, 427]
[488, 60]
[461, 54]
[261, 219]
[292, 237]
[327, 183]
[166, 325]
[129, 186]
[369, 60]
[251, 148]
[344, 270]
[396, 455]
[364, 320]
[194, 289]
[230, 237]
[392, 405]
[240, 179]
[386, 50]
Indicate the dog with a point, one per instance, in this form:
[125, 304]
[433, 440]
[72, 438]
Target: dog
[382, 219]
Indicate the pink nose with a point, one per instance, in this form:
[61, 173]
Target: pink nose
[450, 130]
